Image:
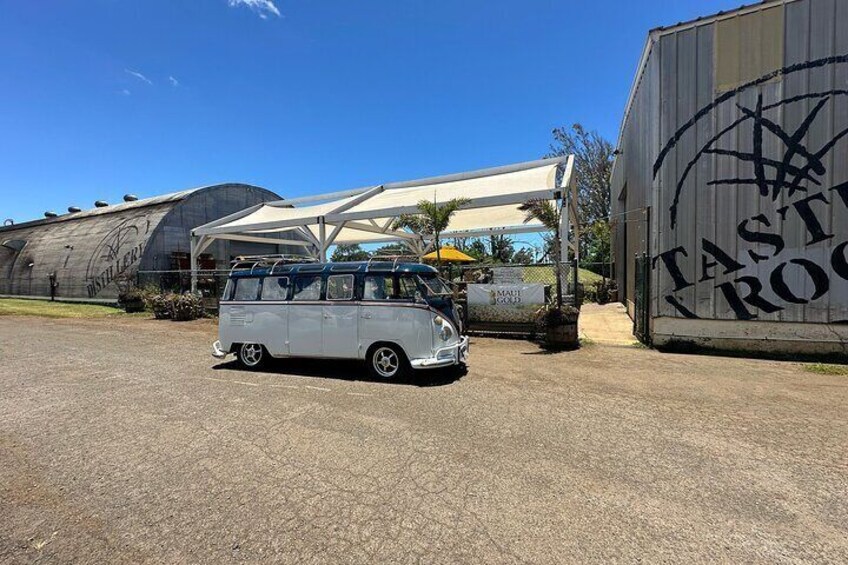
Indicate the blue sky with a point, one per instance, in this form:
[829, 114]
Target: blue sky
[104, 97]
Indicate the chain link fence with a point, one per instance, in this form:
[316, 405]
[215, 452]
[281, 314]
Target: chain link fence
[210, 283]
[537, 273]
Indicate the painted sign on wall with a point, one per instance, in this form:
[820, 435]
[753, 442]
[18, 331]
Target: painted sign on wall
[767, 267]
[116, 254]
[514, 303]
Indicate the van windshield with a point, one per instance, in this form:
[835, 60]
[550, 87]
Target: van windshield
[434, 285]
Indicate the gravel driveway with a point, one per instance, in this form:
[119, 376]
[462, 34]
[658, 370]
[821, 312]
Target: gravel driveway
[123, 440]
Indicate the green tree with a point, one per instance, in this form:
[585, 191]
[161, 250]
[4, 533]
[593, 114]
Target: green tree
[349, 252]
[548, 214]
[477, 249]
[599, 248]
[391, 249]
[593, 156]
[523, 256]
[501, 248]
[431, 220]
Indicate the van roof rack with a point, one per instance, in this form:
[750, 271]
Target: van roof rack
[394, 259]
[251, 262]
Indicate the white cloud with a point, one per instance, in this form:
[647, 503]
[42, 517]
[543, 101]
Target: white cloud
[174, 82]
[139, 76]
[261, 7]
[125, 92]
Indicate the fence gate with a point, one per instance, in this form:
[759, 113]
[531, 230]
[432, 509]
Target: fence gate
[642, 299]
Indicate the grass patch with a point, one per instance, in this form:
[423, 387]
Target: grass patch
[545, 275]
[826, 369]
[47, 309]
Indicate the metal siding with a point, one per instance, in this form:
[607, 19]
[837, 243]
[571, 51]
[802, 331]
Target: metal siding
[706, 217]
[682, 63]
[796, 50]
[639, 140]
[80, 252]
[668, 174]
[101, 244]
[839, 217]
[686, 79]
[820, 80]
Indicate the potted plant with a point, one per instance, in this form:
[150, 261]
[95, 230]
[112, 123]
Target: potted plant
[130, 297]
[131, 300]
[560, 326]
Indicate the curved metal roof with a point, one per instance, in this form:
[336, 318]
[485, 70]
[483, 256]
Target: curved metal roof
[121, 206]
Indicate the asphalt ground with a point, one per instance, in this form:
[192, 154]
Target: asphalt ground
[124, 441]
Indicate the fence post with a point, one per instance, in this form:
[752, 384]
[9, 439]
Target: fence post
[578, 300]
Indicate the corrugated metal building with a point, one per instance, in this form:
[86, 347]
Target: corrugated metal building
[730, 189]
[89, 251]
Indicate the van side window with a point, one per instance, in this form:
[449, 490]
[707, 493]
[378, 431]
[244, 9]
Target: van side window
[228, 290]
[247, 289]
[378, 287]
[307, 288]
[407, 287]
[275, 288]
[340, 287]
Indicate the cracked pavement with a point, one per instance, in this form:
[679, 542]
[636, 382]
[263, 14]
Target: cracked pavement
[123, 440]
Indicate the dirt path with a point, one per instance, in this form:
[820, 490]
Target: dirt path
[125, 441]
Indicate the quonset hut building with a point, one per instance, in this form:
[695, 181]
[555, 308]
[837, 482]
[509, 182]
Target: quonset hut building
[87, 252]
[730, 186]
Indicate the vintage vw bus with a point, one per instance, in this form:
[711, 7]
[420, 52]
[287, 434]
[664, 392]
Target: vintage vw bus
[394, 316]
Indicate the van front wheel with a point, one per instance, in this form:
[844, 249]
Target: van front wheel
[387, 362]
[252, 356]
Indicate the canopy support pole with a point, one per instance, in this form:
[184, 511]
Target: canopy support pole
[322, 240]
[199, 244]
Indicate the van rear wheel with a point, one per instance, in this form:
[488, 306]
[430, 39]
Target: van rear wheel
[387, 362]
[252, 356]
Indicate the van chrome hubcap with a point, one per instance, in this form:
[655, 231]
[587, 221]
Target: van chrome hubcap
[386, 362]
[251, 354]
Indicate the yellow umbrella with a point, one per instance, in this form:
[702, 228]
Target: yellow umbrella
[450, 254]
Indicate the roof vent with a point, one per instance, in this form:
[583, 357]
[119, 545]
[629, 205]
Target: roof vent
[130, 197]
[49, 214]
[74, 209]
[101, 204]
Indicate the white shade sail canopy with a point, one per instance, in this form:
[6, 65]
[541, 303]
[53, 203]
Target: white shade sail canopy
[367, 215]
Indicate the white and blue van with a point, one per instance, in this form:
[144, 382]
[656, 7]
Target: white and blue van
[395, 316]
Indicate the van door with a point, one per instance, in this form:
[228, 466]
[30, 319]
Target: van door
[272, 318]
[306, 317]
[341, 318]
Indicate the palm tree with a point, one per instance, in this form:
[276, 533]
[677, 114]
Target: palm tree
[432, 219]
[546, 212]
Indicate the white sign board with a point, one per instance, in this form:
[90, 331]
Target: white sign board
[508, 275]
[514, 303]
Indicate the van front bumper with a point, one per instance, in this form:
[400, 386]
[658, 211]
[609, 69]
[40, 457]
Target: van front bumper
[217, 352]
[456, 354]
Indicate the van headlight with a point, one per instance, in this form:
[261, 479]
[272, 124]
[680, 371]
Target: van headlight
[446, 333]
[443, 328]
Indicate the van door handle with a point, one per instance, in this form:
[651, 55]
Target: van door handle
[366, 315]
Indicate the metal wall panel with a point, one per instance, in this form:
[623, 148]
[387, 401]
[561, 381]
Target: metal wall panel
[746, 221]
[91, 251]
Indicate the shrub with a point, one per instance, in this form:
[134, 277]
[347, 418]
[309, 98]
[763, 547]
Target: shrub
[601, 291]
[160, 304]
[179, 307]
[186, 307]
